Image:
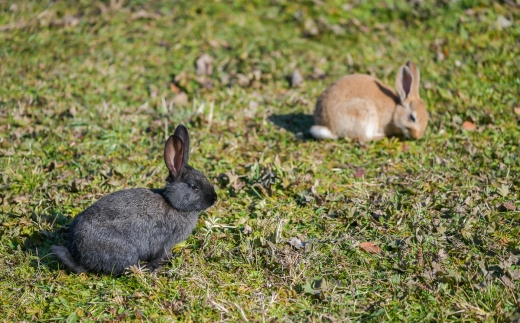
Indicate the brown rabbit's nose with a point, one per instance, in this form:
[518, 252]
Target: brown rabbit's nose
[416, 134]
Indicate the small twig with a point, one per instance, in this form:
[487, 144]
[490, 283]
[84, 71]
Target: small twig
[165, 129]
[262, 189]
[170, 106]
[215, 304]
[200, 110]
[16, 25]
[241, 311]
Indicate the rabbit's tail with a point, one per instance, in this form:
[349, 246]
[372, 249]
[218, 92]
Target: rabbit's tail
[65, 258]
[322, 132]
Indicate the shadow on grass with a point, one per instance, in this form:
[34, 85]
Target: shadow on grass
[297, 123]
[38, 242]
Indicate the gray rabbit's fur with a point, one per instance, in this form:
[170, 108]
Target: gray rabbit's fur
[139, 224]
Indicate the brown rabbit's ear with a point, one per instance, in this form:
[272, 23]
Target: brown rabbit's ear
[403, 82]
[173, 155]
[416, 78]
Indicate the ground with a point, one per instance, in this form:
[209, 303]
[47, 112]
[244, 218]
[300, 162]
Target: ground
[304, 230]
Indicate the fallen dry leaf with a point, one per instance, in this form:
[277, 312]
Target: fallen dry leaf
[296, 243]
[360, 172]
[247, 229]
[436, 267]
[242, 80]
[507, 206]
[204, 65]
[308, 177]
[318, 73]
[174, 88]
[442, 255]
[468, 125]
[420, 257]
[507, 281]
[515, 274]
[180, 99]
[370, 247]
[218, 43]
[503, 22]
[296, 79]
[213, 43]
[205, 82]
[310, 27]
[517, 110]
[20, 198]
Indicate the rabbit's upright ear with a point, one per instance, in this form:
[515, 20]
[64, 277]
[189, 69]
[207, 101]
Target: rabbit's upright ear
[177, 150]
[173, 155]
[182, 133]
[403, 82]
[416, 75]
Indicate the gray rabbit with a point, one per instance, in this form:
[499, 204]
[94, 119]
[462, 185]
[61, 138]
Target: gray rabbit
[139, 224]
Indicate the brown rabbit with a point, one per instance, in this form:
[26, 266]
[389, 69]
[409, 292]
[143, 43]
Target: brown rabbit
[360, 106]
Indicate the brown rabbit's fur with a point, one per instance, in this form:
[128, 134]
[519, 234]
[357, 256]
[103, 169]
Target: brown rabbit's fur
[360, 106]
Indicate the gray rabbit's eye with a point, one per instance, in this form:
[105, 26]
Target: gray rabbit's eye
[194, 187]
[412, 118]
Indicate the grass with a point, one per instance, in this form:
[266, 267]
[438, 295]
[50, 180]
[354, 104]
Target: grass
[89, 93]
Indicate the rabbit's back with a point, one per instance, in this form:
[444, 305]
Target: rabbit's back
[355, 87]
[126, 210]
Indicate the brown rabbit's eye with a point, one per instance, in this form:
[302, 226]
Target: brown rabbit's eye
[194, 187]
[412, 118]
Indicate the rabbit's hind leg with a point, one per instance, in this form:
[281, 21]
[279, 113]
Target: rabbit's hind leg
[116, 263]
[371, 129]
[358, 119]
[112, 256]
[158, 262]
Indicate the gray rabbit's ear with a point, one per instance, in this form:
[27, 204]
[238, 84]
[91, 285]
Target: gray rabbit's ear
[403, 82]
[174, 155]
[182, 133]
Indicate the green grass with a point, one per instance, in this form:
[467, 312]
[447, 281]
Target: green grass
[85, 108]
